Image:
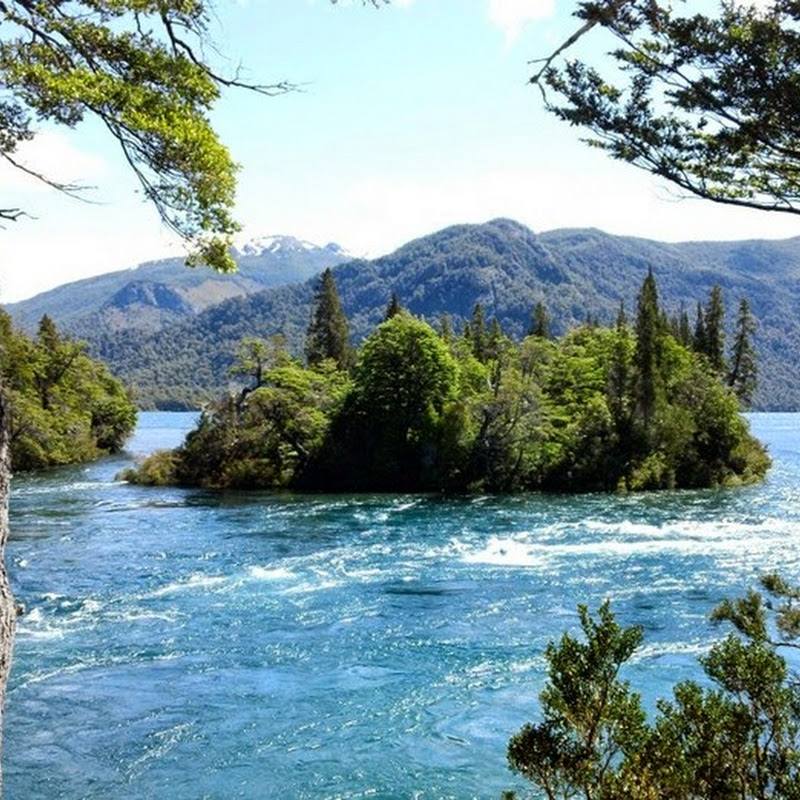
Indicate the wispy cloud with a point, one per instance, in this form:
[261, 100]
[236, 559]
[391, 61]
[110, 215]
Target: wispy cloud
[54, 156]
[512, 15]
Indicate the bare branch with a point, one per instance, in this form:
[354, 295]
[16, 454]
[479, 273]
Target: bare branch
[12, 214]
[70, 189]
[584, 29]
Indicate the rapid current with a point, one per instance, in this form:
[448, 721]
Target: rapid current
[183, 644]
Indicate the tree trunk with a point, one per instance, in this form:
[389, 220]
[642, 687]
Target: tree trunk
[8, 609]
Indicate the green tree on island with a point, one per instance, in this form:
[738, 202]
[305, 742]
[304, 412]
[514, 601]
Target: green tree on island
[743, 369]
[63, 407]
[391, 433]
[328, 334]
[616, 408]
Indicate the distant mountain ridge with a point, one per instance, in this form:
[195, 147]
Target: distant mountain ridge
[577, 273]
[157, 293]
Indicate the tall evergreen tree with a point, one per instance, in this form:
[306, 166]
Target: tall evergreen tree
[393, 308]
[618, 388]
[478, 333]
[714, 318]
[647, 353]
[700, 338]
[328, 334]
[743, 370]
[684, 328]
[540, 322]
[446, 328]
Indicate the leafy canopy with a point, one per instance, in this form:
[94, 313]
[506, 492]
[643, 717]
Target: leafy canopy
[62, 407]
[138, 66]
[706, 101]
[599, 409]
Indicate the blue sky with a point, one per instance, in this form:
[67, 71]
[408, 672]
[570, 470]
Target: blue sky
[410, 118]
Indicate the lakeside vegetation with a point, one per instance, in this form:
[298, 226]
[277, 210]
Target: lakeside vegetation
[646, 404]
[63, 407]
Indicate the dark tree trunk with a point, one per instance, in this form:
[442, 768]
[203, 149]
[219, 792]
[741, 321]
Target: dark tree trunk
[8, 609]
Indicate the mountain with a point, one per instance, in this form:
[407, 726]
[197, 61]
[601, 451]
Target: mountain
[578, 274]
[157, 293]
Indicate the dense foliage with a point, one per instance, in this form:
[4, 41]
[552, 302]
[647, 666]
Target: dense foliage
[705, 100]
[64, 408]
[602, 408]
[736, 735]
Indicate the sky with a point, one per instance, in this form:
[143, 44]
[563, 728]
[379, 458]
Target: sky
[408, 118]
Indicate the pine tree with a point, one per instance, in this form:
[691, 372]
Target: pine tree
[743, 371]
[618, 390]
[714, 318]
[328, 334]
[393, 308]
[446, 328]
[540, 322]
[700, 338]
[478, 334]
[684, 328]
[647, 354]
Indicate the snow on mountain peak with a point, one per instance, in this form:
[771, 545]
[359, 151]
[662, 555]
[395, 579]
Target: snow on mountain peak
[257, 245]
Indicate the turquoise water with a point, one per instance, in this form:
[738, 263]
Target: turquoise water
[184, 644]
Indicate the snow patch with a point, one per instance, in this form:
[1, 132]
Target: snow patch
[258, 245]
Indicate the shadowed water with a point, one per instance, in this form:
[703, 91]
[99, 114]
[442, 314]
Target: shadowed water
[184, 644]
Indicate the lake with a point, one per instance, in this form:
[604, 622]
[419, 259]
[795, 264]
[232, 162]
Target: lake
[186, 644]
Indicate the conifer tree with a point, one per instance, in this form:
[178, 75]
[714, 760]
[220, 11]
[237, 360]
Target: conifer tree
[478, 334]
[647, 354]
[684, 328]
[700, 338]
[714, 318]
[743, 372]
[619, 375]
[540, 322]
[446, 328]
[393, 308]
[328, 334]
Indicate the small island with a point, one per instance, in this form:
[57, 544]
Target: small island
[651, 403]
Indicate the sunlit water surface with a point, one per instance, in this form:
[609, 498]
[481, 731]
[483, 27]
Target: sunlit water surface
[184, 644]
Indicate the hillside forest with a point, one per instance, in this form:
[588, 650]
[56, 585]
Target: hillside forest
[648, 403]
[64, 407]
[172, 334]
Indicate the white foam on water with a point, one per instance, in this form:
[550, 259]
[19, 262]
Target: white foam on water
[659, 649]
[195, 581]
[312, 586]
[270, 574]
[627, 539]
[138, 615]
[507, 552]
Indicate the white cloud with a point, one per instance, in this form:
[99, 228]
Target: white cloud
[376, 216]
[512, 15]
[55, 157]
[33, 263]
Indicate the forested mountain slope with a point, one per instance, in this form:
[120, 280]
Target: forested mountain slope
[158, 293]
[577, 274]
